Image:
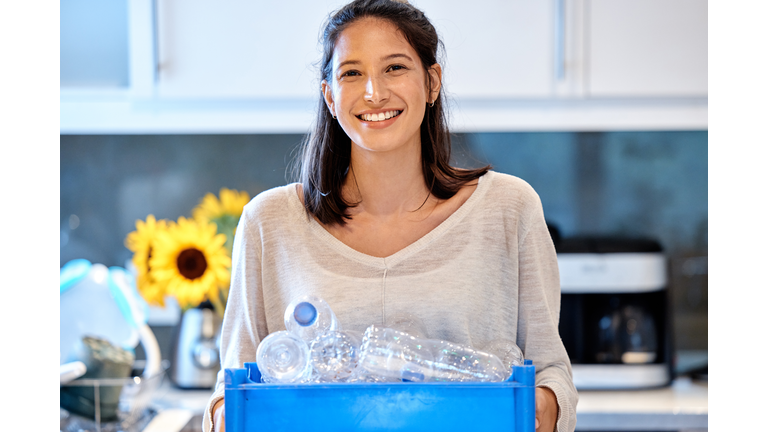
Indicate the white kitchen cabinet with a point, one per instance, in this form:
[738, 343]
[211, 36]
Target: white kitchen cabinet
[649, 48]
[93, 36]
[495, 49]
[250, 66]
[258, 49]
[239, 49]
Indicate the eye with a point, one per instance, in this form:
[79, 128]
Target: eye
[396, 68]
[349, 73]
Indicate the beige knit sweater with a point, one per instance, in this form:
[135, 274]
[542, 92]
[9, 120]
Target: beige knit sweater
[488, 271]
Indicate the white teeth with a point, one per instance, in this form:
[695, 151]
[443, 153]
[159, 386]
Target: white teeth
[380, 116]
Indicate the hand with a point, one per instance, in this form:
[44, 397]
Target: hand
[218, 416]
[546, 409]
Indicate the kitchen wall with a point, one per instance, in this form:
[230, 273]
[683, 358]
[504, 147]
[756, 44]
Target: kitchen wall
[649, 184]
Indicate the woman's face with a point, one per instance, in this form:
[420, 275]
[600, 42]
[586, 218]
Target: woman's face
[378, 89]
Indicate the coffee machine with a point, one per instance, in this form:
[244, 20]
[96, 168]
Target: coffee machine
[615, 319]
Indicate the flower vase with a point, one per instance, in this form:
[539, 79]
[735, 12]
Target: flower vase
[195, 350]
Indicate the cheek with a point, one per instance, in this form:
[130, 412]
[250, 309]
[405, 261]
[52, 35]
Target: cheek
[415, 90]
[347, 121]
[416, 96]
[341, 93]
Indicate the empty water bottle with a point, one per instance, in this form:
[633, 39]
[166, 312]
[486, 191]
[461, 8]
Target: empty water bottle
[334, 355]
[456, 362]
[308, 317]
[283, 357]
[393, 354]
[407, 323]
[506, 350]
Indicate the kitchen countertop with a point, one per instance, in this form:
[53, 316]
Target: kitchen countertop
[682, 406]
[168, 396]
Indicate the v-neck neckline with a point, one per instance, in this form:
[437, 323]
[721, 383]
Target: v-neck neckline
[385, 262]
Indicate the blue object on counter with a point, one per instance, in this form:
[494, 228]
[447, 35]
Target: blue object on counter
[456, 406]
[122, 286]
[98, 301]
[73, 272]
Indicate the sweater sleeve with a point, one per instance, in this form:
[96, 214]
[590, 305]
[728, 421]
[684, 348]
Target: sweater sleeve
[244, 323]
[539, 313]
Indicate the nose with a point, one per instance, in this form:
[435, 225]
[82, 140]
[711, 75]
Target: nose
[376, 90]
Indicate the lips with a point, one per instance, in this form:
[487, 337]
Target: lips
[381, 116]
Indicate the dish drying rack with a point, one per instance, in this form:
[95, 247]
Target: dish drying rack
[134, 411]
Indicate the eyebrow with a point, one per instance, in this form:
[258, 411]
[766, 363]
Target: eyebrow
[389, 57]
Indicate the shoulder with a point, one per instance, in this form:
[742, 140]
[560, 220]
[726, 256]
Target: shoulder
[513, 201]
[271, 205]
[510, 189]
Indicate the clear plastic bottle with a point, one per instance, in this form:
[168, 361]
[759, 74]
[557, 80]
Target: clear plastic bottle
[334, 356]
[308, 317]
[283, 357]
[392, 354]
[407, 323]
[456, 362]
[506, 350]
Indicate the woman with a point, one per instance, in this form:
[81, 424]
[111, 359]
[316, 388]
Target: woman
[381, 223]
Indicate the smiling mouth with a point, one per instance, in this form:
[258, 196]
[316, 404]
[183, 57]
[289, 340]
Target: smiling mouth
[380, 116]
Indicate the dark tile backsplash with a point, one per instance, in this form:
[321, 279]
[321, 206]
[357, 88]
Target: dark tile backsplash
[650, 184]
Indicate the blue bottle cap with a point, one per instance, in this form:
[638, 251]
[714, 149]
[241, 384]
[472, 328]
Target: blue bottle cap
[411, 376]
[305, 314]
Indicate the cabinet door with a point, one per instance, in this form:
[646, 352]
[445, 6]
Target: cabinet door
[240, 48]
[259, 49]
[495, 49]
[647, 48]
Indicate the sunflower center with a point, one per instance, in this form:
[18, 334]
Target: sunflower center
[191, 263]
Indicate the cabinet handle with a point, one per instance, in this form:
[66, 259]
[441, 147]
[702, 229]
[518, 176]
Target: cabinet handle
[559, 40]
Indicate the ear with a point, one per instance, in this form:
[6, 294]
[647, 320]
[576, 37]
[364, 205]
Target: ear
[328, 96]
[436, 81]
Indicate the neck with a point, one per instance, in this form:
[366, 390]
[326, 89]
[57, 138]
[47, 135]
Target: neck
[386, 183]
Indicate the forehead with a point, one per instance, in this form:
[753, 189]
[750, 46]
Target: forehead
[371, 39]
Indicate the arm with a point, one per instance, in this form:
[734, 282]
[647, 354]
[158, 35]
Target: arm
[538, 316]
[218, 416]
[244, 324]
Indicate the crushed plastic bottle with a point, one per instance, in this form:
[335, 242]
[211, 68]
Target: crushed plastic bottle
[392, 354]
[506, 350]
[335, 355]
[315, 349]
[407, 323]
[308, 317]
[283, 357]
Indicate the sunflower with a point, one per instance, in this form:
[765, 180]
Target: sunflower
[224, 211]
[140, 242]
[190, 261]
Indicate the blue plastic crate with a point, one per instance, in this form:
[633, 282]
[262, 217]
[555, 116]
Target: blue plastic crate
[255, 406]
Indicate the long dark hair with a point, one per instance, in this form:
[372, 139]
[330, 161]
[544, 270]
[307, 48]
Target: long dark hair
[326, 150]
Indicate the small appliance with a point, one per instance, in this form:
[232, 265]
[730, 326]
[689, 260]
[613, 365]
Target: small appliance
[615, 318]
[195, 353]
